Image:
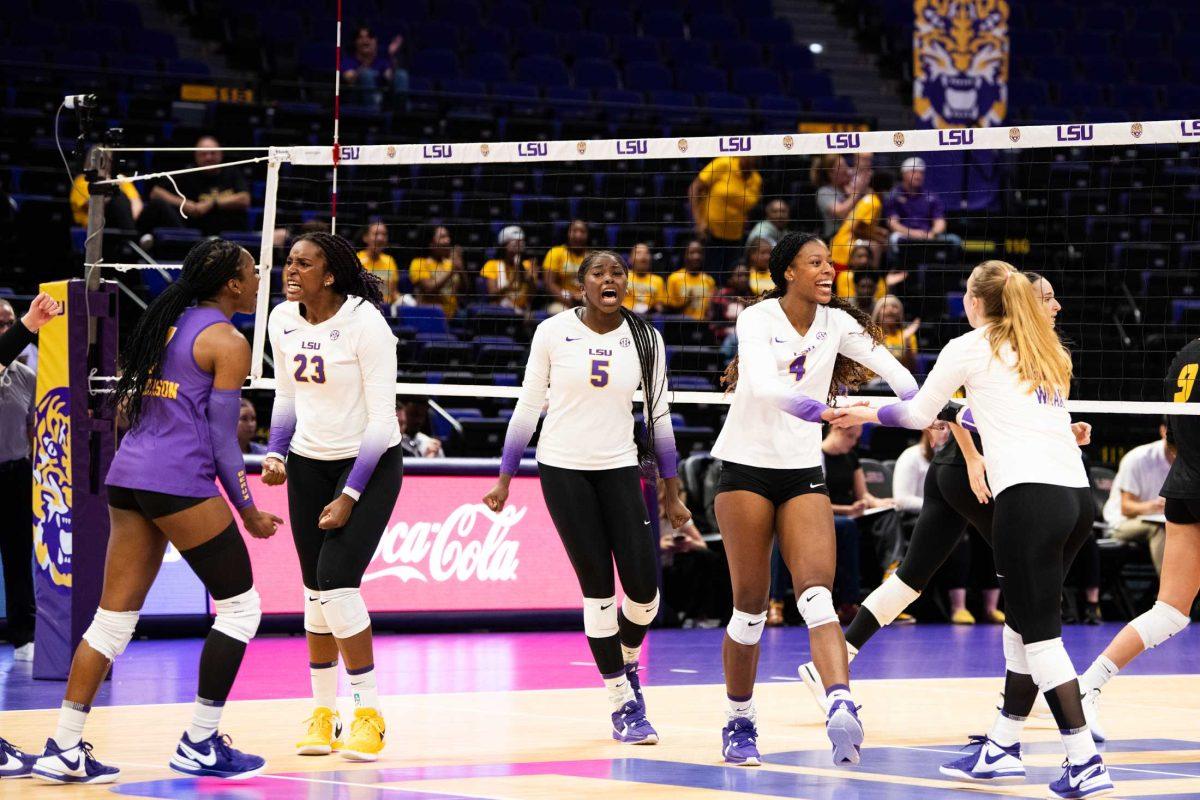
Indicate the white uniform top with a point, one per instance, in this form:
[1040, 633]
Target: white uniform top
[1142, 473]
[908, 479]
[783, 381]
[1026, 434]
[337, 379]
[589, 379]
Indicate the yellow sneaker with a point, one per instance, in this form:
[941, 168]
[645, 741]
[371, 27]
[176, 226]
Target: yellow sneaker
[996, 617]
[366, 736]
[962, 617]
[904, 619]
[324, 733]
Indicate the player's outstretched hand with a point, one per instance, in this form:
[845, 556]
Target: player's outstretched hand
[851, 416]
[274, 473]
[43, 309]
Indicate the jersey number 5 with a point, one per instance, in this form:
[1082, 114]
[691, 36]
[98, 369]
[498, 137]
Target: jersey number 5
[309, 369]
[1185, 382]
[797, 367]
[599, 373]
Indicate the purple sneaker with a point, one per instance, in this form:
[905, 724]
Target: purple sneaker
[631, 726]
[15, 762]
[72, 765]
[845, 732]
[215, 758]
[739, 743]
[635, 683]
[987, 762]
[1083, 780]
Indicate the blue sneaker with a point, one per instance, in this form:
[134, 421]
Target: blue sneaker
[987, 762]
[635, 683]
[15, 762]
[1083, 780]
[72, 765]
[739, 743]
[215, 758]
[631, 726]
[845, 732]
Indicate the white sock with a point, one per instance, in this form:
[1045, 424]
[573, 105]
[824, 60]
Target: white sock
[362, 687]
[1006, 730]
[206, 716]
[71, 717]
[324, 684]
[1099, 673]
[1079, 745]
[741, 708]
[619, 690]
[631, 654]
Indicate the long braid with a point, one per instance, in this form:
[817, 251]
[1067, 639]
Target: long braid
[207, 267]
[349, 275]
[847, 373]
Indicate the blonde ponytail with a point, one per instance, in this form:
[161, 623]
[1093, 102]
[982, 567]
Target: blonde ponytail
[1017, 319]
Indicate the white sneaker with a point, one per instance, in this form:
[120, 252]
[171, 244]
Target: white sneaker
[812, 679]
[24, 652]
[986, 762]
[1091, 714]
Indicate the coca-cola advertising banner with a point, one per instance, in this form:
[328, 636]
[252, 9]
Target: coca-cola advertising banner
[443, 551]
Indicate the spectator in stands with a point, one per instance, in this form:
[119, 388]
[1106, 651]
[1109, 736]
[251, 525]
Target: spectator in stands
[247, 429]
[17, 395]
[758, 259]
[561, 268]
[721, 198]
[437, 275]
[690, 289]
[28, 356]
[695, 579]
[368, 73]
[908, 476]
[212, 201]
[123, 209]
[510, 276]
[899, 339]
[413, 416]
[1135, 494]
[775, 225]
[728, 303]
[839, 188]
[374, 258]
[645, 292]
[864, 223]
[913, 214]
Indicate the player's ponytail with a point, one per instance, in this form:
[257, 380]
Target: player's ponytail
[847, 373]
[206, 269]
[1017, 319]
[349, 275]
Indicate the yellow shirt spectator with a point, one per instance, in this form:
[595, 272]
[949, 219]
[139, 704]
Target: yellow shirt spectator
[559, 259]
[760, 281]
[385, 267]
[904, 348]
[425, 269]
[644, 292]
[867, 213]
[79, 198]
[516, 291]
[729, 195]
[845, 288]
[693, 291]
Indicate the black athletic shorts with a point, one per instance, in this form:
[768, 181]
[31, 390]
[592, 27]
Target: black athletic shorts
[1183, 512]
[150, 504]
[777, 485]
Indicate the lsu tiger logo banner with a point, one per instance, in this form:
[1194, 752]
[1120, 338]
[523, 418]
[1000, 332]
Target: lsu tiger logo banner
[960, 62]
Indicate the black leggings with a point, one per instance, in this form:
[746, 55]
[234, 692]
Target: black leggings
[949, 505]
[1038, 529]
[337, 559]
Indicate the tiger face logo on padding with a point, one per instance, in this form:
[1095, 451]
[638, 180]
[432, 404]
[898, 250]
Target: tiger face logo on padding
[52, 488]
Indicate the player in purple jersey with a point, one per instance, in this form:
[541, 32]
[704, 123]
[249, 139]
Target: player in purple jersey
[181, 378]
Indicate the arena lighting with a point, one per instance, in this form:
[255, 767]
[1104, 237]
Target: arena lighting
[816, 48]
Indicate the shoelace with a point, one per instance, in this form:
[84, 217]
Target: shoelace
[743, 734]
[314, 720]
[86, 749]
[223, 744]
[361, 721]
[974, 740]
[9, 748]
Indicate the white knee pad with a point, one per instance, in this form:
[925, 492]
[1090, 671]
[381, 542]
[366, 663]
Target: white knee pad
[600, 617]
[110, 631]
[238, 616]
[1014, 652]
[889, 600]
[345, 612]
[746, 628]
[640, 613]
[816, 607]
[1158, 624]
[1049, 664]
[314, 617]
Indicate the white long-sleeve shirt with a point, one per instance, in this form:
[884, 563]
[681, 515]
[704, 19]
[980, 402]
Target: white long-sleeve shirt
[783, 381]
[1026, 434]
[908, 479]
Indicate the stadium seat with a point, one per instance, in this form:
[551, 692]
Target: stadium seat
[424, 319]
[437, 64]
[700, 79]
[442, 429]
[535, 42]
[459, 9]
[714, 27]
[739, 55]
[612, 22]
[584, 44]
[753, 82]
[560, 17]
[663, 24]
[629, 49]
[768, 31]
[596, 73]
[488, 39]
[809, 84]
[727, 109]
[624, 102]
[543, 70]
[488, 67]
[513, 16]
[648, 76]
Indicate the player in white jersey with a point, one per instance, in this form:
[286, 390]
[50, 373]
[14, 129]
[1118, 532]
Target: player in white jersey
[1017, 375]
[589, 361]
[796, 349]
[334, 423]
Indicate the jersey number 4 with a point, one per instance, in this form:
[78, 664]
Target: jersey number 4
[1185, 382]
[309, 369]
[797, 367]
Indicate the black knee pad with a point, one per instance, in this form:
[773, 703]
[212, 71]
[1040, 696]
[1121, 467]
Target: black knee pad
[222, 564]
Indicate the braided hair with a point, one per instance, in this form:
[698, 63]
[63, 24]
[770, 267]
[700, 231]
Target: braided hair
[206, 269]
[645, 342]
[847, 373]
[349, 275]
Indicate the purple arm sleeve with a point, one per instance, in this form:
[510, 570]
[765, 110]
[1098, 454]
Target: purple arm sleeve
[224, 406]
[805, 408]
[283, 426]
[374, 444]
[668, 458]
[967, 420]
[516, 439]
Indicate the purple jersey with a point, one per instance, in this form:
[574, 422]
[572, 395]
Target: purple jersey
[170, 449]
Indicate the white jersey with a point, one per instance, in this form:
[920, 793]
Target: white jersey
[783, 382]
[588, 380]
[338, 380]
[1141, 473]
[1026, 434]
